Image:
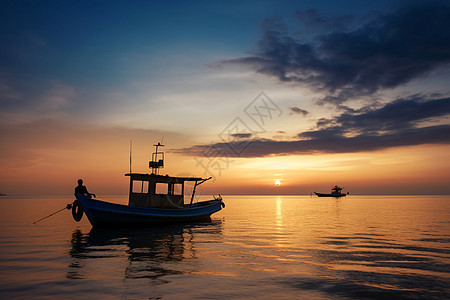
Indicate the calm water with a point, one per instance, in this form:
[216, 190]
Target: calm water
[258, 247]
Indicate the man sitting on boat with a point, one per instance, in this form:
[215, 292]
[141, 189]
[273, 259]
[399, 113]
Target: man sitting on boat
[81, 189]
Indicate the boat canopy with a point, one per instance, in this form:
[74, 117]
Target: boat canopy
[158, 191]
[161, 178]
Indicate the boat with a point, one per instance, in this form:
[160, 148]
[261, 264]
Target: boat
[153, 199]
[336, 191]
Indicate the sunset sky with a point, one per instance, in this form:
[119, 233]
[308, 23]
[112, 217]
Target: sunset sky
[309, 93]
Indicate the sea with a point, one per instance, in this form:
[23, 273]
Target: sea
[257, 247]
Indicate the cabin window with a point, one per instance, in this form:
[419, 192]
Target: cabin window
[161, 188]
[140, 186]
[178, 189]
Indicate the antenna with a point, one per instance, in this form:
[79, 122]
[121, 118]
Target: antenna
[157, 160]
[131, 147]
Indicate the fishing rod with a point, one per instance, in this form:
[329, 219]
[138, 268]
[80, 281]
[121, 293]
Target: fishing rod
[68, 207]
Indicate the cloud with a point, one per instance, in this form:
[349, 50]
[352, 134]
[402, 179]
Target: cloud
[297, 110]
[49, 136]
[386, 52]
[57, 97]
[7, 91]
[400, 123]
[241, 135]
[326, 142]
[312, 20]
[37, 96]
[396, 115]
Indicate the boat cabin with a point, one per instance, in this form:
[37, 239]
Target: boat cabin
[158, 191]
[336, 190]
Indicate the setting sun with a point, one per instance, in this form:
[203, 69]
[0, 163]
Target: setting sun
[277, 183]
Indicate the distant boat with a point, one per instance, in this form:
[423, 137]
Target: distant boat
[1, 194]
[335, 192]
[153, 199]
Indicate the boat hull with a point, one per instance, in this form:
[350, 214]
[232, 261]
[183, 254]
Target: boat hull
[106, 214]
[329, 195]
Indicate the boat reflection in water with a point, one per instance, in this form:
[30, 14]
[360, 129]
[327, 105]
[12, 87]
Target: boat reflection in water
[149, 253]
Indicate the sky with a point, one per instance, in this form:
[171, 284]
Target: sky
[308, 93]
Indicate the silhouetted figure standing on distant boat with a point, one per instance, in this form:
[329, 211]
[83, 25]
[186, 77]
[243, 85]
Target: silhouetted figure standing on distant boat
[81, 189]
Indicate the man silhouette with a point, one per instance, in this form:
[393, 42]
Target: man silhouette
[81, 189]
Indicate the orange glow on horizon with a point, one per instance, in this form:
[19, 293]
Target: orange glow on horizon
[54, 163]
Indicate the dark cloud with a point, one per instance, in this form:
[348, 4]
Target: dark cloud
[386, 52]
[396, 115]
[312, 20]
[399, 123]
[241, 135]
[297, 110]
[325, 142]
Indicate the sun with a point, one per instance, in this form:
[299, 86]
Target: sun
[277, 183]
